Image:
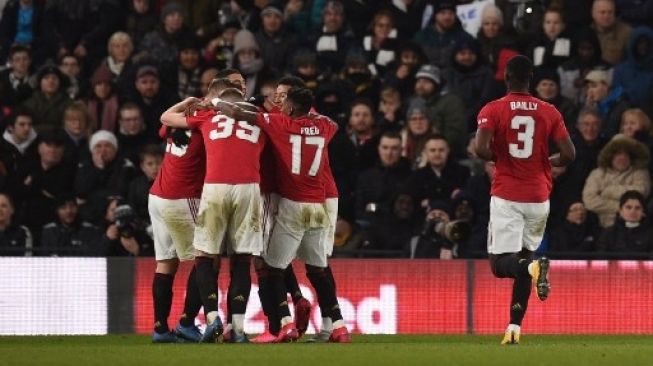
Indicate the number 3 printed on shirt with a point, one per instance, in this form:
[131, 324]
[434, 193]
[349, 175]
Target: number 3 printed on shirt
[524, 136]
[225, 125]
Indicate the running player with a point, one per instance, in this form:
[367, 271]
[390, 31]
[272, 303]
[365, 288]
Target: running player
[514, 131]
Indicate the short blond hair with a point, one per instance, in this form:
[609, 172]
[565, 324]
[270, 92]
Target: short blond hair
[644, 120]
[120, 37]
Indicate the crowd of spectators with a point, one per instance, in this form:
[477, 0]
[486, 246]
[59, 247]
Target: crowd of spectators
[85, 81]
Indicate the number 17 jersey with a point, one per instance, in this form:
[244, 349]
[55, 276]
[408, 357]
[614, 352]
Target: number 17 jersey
[299, 149]
[522, 128]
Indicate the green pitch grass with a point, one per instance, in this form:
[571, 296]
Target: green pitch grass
[366, 350]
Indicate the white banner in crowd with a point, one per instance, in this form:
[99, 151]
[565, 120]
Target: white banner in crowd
[469, 15]
[53, 296]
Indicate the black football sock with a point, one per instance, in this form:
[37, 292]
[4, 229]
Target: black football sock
[206, 275]
[241, 281]
[193, 301]
[329, 274]
[521, 291]
[509, 265]
[326, 294]
[162, 294]
[267, 302]
[278, 291]
[292, 285]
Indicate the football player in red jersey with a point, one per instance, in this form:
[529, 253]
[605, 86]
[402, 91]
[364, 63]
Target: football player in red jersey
[172, 205]
[514, 132]
[229, 206]
[302, 222]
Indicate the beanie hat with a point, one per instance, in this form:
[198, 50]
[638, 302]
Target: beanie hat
[244, 40]
[171, 8]
[430, 72]
[103, 135]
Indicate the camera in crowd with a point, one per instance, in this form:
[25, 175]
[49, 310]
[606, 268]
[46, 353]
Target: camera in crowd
[455, 232]
[125, 220]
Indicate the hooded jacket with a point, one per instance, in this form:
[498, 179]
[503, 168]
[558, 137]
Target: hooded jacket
[635, 74]
[605, 185]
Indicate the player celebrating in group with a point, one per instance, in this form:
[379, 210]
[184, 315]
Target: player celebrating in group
[229, 206]
[302, 222]
[515, 131]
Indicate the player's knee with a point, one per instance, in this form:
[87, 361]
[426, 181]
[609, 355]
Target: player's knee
[167, 266]
[314, 269]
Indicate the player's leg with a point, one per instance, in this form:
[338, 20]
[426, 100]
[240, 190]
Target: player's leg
[166, 267]
[267, 302]
[536, 216]
[301, 304]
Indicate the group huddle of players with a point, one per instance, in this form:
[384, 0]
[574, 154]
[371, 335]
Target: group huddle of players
[246, 182]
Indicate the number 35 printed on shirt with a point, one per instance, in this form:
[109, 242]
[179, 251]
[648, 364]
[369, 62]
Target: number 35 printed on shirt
[525, 127]
[226, 126]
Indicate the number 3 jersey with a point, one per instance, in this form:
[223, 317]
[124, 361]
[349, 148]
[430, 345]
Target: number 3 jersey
[523, 126]
[233, 148]
[182, 170]
[299, 149]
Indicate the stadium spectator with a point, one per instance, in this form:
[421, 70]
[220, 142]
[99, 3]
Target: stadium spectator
[577, 233]
[41, 179]
[15, 86]
[380, 44]
[612, 33]
[151, 98]
[207, 76]
[611, 103]
[636, 124]
[139, 188]
[68, 235]
[275, 43]
[77, 85]
[104, 174]
[49, 100]
[120, 48]
[414, 136]
[523, 18]
[80, 27]
[636, 12]
[357, 78]
[123, 234]
[390, 234]
[430, 243]
[469, 79]
[220, 50]
[245, 13]
[247, 59]
[21, 25]
[304, 66]
[546, 84]
[202, 16]
[131, 132]
[586, 57]
[333, 40]
[15, 239]
[407, 15]
[19, 136]
[440, 177]
[631, 232]
[478, 190]
[76, 130]
[445, 109]
[184, 75]
[160, 45]
[389, 115]
[141, 19]
[552, 45]
[400, 74]
[103, 102]
[493, 36]
[438, 39]
[379, 185]
[622, 166]
[635, 74]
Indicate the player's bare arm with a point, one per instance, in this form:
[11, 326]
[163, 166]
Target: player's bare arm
[175, 116]
[235, 111]
[482, 144]
[566, 155]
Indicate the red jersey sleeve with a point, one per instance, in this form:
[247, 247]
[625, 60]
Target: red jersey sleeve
[195, 120]
[487, 117]
[269, 122]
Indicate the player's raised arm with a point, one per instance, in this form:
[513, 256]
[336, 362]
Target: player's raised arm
[482, 144]
[567, 152]
[175, 116]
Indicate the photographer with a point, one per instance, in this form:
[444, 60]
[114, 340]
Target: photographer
[124, 235]
[440, 235]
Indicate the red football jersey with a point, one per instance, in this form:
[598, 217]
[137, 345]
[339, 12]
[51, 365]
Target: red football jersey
[299, 148]
[523, 126]
[233, 148]
[182, 170]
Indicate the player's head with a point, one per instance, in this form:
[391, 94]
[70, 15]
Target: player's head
[231, 95]
[217, 85]
[298, 102]
[519, 70]
[235, 77]
[283, 85]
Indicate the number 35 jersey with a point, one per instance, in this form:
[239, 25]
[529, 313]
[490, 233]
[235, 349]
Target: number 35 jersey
[233, 148]
[299, 150]
[522, 127]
